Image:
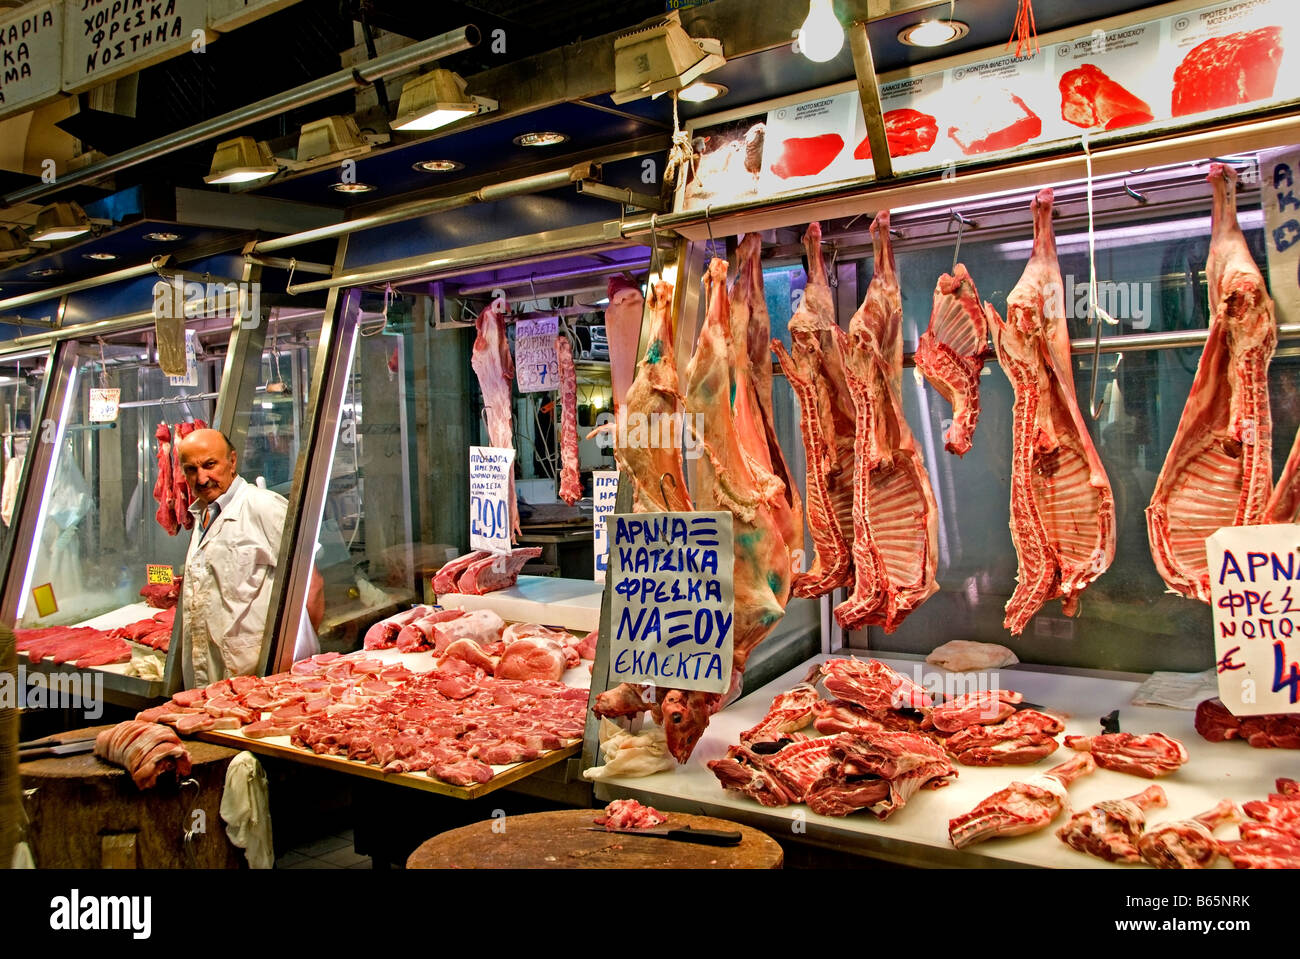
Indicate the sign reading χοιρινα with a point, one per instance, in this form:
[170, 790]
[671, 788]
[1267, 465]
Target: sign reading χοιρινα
[489, 497]
[537, 367]
[674, 601]
[1255, 598]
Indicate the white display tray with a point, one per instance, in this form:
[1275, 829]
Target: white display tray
[918, 833]
[131, 613]
[546, 600]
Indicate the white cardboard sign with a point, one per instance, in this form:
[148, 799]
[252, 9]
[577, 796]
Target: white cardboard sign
[1279, 188]
[104, 39]
[104, 404]
[674, 601]
[537, 367]
[1255, 598]
[31, 52]
[489, 497]
[604, 491]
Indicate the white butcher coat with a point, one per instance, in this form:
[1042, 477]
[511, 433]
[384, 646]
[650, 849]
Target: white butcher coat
[229, 575]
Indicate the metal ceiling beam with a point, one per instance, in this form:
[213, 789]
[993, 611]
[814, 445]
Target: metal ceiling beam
[864, 65]
[341, 81]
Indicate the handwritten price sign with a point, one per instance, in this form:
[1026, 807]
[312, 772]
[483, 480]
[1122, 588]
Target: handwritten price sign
[1279, 192]
[674, 599]
[489, 491]
[604, 490]
[1255, 597]
[159, 575]
[537, 368]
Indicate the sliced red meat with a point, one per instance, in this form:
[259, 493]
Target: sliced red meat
[807, 156]
[466, 772]
[383, 634]
[162, 597]
[444, 581]
[1089, 98]
[495, 572]
[907, 131]
[533, 657]
[995, 121]
[1227, 71]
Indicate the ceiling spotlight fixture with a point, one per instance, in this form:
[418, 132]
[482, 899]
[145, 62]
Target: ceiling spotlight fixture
[352, 187]
[821, 37]
[45, 273]
[437, 166]
[100, 256]
[547, 138]
[59, 221]
[702, 90]
[660, 58]
[240, 160]
[933, 33]
[162, 236]
[435, 99]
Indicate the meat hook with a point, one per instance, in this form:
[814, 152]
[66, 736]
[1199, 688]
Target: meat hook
[1140, 197]
[962, 223]
[669, 478]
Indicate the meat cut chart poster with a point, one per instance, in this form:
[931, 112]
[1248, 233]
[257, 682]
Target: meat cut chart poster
[911, 108]
[673, 599]
[1255, 599]
[996, 105]
[808, 143]
[1110, 80]
[489, 497]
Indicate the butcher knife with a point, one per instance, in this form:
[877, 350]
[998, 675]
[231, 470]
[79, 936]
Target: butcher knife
[64, 749]
[705, 837]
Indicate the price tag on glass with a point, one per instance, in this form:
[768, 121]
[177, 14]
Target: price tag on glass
[490, 469]
[191, 377]
[537, 368]
[159, 575]
[104, 405]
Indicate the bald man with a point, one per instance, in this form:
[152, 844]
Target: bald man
[230, 567]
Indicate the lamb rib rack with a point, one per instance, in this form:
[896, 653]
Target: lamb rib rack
[951, 352]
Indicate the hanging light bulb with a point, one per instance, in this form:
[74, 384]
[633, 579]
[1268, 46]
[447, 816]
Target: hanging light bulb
[821, 37]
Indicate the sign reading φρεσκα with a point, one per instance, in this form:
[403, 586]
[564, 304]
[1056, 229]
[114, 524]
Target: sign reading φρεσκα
[489, 503]
[1255, 598]
[673, 607]
[537, 367]
[604, 491]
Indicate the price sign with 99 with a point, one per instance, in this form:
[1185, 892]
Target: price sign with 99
[490, 469]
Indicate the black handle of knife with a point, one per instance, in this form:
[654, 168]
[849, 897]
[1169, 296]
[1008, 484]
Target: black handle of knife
[705, 837]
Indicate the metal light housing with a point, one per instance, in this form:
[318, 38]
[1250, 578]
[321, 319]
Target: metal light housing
[240, 160]
[330, 138]
[13, 243]
[661, 57]
[435, 99]
[59, 221]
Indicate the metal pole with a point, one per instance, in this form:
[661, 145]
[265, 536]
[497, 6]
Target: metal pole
[417, 54]
[416, 208]
[54, 292]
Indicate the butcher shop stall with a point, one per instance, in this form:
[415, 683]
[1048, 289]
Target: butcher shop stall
[878, 449]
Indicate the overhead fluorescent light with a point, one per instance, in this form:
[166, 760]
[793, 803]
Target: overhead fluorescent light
[933, 33]
[59, 221]
[703, 90]
[660, 58]
[240, 160]
[435, 99]
[822, 36]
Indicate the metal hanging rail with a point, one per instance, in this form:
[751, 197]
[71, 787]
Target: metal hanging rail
[341, 81]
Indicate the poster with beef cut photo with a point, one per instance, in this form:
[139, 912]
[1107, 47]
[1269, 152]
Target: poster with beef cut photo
[807, 144]
[1110, 80]
[911, 112]
[1232, 55]
[998, 104]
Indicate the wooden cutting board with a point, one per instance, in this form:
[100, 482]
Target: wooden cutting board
[560, 840]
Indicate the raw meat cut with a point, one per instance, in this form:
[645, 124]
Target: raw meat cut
[161, 596]
[629, 814]
[481, 625]
[444, 581]
[162, 487]
[655, 469]
[72, 644]
[1022, 807]
[727, 480]
[493, 572]
[471, 652]
[895, 520]
[789, 712]
[1280, 730]
[533, 657]
[1026, 737]
[180, 486]
[907, 131]
[495, 369]
[1110, 829]
[1090, 98]
[418, 634]
[1284, 503]
[961, 655]
[1275, 850]
[1152, 755]
[807, 156]
[145, 750]
[1062, 507]
[623, 333]
[903, 762]
[753, 780]
[871, 684]
[989, 706]
[814, 367]
[570, 485]
[1227, 71]
[1187, 843]
[950, 353]
[751, 338]
[383, 634]
[1218, 471]
[997, 120]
